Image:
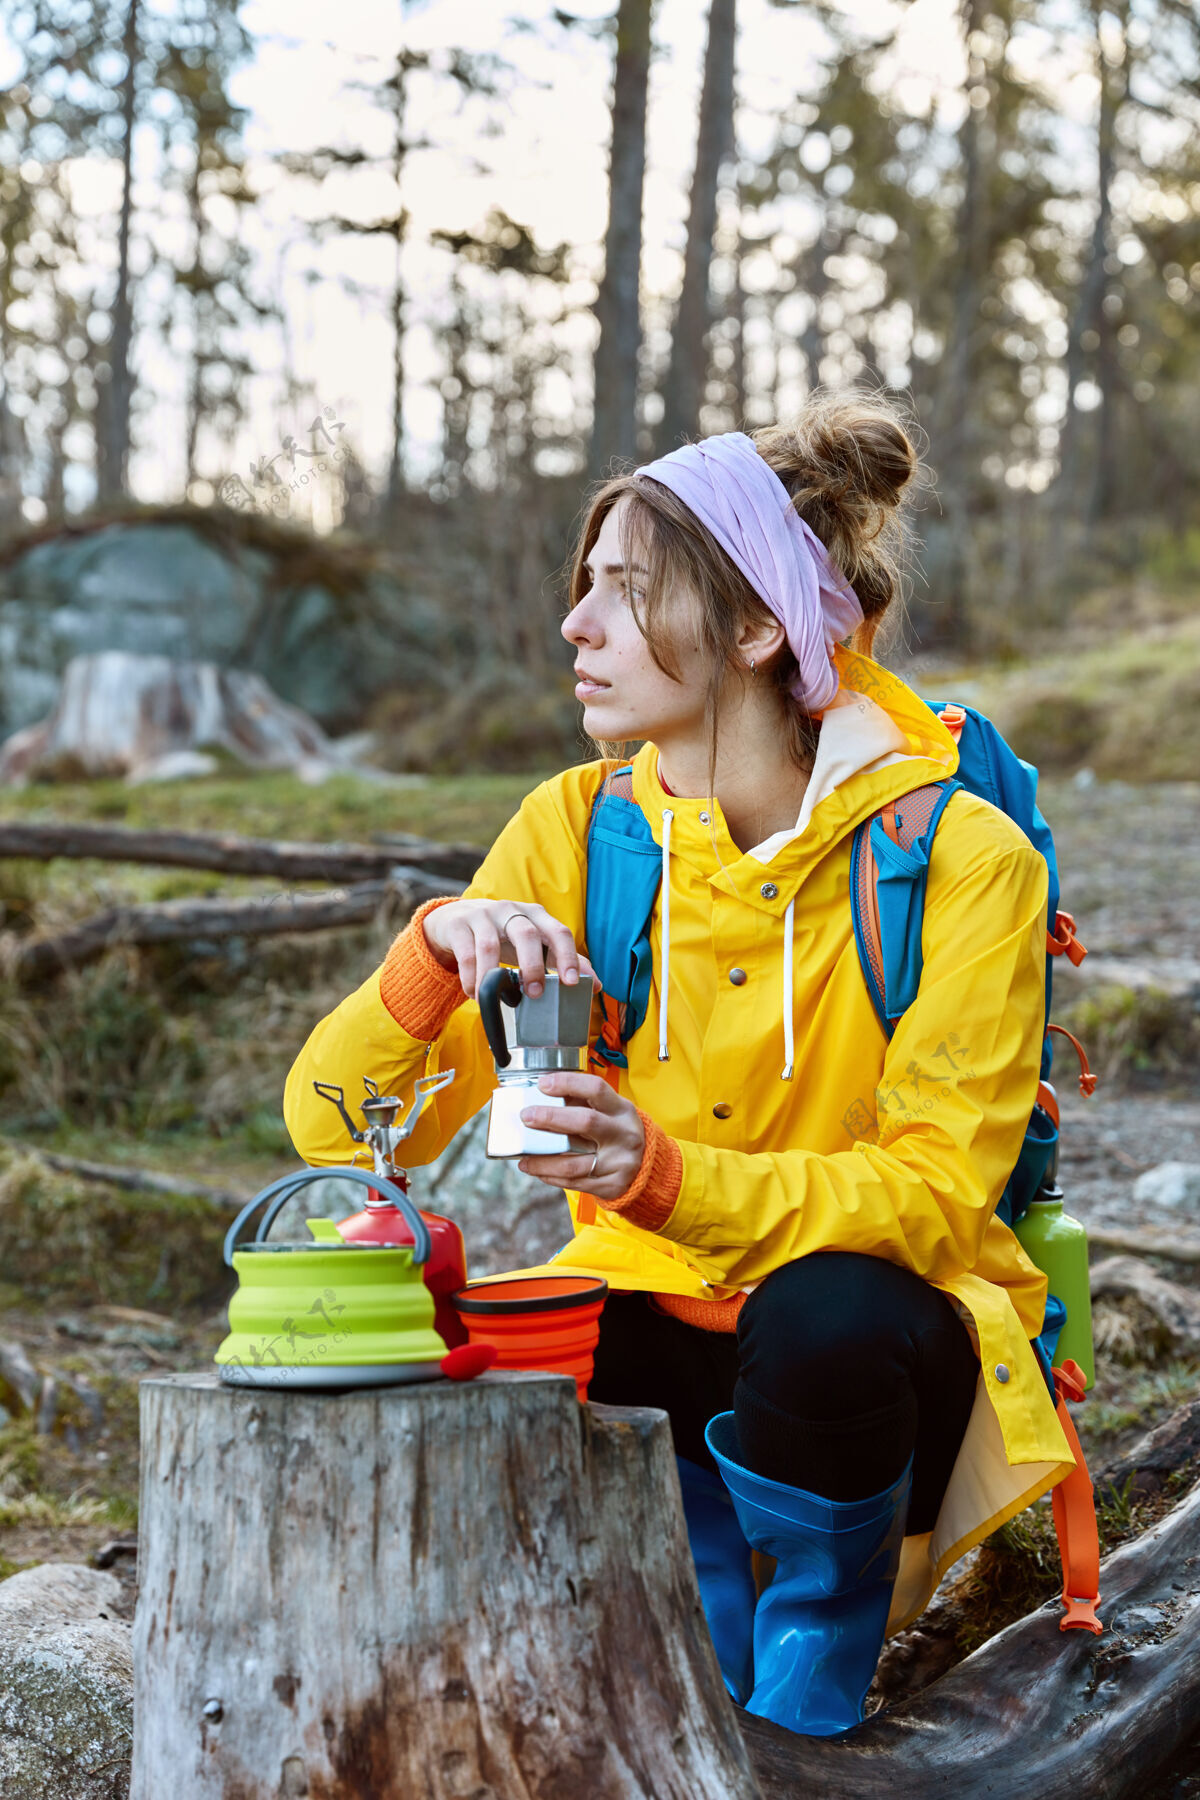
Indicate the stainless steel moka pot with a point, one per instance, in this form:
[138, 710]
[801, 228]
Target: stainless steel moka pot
[549, 1031]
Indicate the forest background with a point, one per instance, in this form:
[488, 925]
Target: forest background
[990, 210]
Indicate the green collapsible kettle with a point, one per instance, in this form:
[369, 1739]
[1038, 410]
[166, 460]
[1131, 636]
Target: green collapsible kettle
[331, 1314]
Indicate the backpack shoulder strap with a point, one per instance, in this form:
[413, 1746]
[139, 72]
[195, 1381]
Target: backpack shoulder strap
[889, 862]
[624, 872]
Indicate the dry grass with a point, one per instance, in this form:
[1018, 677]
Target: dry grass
[1128, 706]
[1135, 1033]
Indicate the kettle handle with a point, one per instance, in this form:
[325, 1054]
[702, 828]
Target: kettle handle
[276, 1196]
[500, 984]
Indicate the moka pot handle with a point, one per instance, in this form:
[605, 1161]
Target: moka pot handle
[498, 986]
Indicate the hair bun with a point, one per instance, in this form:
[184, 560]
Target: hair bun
[846, 450]
[847, 461]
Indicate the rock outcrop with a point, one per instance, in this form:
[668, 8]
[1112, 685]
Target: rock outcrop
[329, 625]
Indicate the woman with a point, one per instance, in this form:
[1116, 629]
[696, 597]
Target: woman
[795, 1216]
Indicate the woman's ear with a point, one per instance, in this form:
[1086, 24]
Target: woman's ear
[758, 641]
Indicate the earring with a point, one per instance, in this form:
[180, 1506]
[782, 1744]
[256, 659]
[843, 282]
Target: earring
[753, 666]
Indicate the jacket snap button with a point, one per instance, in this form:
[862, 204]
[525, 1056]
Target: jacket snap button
[722, 1110]
[1001, 1372]
[706, 818]
[738, 977]
[768, 890]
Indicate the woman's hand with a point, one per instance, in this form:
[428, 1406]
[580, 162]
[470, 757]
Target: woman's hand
[607, 1120]
[474, 936]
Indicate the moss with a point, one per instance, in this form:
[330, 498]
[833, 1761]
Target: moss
[471, 808]
[102, 1045]
[296, 557]
[20, 1459]
[266, 1133]
[86, 1244]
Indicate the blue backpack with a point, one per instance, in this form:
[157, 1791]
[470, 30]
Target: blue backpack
[889, 862]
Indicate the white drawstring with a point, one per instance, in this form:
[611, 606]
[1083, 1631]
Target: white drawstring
[664, 1055]
[789, 1029]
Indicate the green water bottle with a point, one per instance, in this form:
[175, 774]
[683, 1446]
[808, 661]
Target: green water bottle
[1058, 1245]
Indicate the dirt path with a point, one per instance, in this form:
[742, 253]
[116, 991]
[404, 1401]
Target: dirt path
[1129, 865]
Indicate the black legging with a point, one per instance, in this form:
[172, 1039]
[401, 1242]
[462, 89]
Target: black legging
[842, 1368]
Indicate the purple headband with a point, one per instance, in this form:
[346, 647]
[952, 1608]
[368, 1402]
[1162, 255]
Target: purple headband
[739, 497]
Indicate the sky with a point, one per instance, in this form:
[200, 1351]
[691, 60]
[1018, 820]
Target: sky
[546, 155]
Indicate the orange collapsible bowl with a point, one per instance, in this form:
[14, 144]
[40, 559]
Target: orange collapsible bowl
[549, 1322]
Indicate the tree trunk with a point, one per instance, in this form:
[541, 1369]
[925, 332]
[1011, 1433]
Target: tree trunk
[396, 480]
[114, 462]
[816, 284]
[1104, 482]
[437, 1590]
[1171, 1248]
[683, 391]
[614, 417]
[1090, 334]
[1035, 1714]
[957, 409]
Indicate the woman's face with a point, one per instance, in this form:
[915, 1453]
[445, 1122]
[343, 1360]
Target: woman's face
[624, 692]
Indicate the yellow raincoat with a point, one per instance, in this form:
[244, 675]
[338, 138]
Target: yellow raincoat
[897, 1149]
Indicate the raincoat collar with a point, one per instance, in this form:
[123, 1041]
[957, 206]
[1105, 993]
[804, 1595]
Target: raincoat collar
[879, 740]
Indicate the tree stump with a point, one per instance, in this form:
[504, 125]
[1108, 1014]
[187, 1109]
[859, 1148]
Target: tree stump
[439, 1590]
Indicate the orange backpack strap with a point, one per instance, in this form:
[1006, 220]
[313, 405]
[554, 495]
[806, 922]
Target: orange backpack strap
[1063, 941]
[1075, 1517]
[1087, 1077]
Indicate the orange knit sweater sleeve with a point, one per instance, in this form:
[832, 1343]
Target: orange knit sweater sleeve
[417, 990]
[650, 1198]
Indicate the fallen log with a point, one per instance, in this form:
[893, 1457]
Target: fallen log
[200, 922]
[1035, 1713]
[1131, 1493]
[1169, 1454]
[226, 854]
[1146, 1243]
[438, 1590]
[1146, 1316]
[133, 1181]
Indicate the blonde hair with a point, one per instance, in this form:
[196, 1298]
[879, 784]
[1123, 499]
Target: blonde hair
[848, 463]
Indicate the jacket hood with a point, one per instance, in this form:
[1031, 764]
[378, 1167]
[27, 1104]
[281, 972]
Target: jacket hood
[878, 740]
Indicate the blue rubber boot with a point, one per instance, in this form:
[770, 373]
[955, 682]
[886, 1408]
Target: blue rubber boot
[723, 1572]
[819, 1627]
